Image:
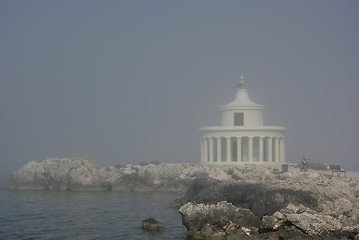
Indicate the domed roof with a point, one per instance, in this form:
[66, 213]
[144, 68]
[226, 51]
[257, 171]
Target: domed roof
[242, 100]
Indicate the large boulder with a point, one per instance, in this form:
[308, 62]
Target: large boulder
[218, 220]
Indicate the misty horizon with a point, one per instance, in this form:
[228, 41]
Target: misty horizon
[129, 82]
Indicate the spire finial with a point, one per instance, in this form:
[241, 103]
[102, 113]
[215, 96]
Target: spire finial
[241, 82]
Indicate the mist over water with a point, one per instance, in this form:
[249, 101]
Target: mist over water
[132, 81]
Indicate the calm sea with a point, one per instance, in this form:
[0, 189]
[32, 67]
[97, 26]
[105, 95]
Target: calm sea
[85, 215]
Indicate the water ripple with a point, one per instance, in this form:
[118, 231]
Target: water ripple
[85, 215]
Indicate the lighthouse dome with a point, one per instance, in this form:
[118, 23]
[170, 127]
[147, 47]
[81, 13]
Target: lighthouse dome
[242, 101]
[242, 111]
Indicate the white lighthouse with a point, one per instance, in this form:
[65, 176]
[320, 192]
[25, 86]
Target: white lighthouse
[242, 138]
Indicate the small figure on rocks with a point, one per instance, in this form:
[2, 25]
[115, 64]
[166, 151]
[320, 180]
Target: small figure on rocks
[151, 224]
[304, 164]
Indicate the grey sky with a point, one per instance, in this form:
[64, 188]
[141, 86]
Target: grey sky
[133, 81]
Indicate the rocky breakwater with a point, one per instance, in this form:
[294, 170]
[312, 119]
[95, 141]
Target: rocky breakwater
[84, 174]
[260, 203]
[146, 177]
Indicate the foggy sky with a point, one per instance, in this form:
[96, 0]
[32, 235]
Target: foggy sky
[133, 81]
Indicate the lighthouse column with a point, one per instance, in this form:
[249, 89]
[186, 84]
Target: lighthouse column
[219, 149]
[228, 144]
[239, 149]
[250, 149]
[211, 149]
[261, 138]
[269, 149]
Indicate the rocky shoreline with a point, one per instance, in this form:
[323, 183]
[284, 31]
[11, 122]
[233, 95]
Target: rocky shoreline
[220, 202]
[240, 210]
[78, 174]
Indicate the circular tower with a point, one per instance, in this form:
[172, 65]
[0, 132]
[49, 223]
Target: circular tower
[242, 138]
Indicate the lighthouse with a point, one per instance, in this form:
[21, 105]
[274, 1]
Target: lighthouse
[242, 137]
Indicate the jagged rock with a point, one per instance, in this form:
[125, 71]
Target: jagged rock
[209, 230]
[58, 174]
[84, 174]
[314, 224]
[283, 213]
[150, 177]
[225, 221]
[273, 222]
[219, 219]
[261, 199]
[177, 177]
[151, 224]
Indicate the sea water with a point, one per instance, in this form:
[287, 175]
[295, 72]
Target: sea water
[44, 214]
